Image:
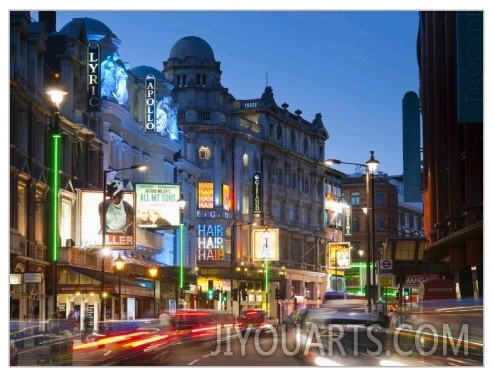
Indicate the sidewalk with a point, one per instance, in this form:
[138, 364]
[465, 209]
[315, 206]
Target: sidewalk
[30, 353]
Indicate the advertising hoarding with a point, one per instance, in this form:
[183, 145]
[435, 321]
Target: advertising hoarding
[157, 205]
[91, 232]
[205, 195]
[339, 255]
[265, 243]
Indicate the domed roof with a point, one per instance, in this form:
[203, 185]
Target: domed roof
[93, 27]
[192, 46]
[143, 70]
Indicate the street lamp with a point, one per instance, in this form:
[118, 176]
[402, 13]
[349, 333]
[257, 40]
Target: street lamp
[181, 204]
[153, 272]
[119, 266]
[103, 230]
[370, 166]
[56, 96]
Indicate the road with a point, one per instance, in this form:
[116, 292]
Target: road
[427, 337]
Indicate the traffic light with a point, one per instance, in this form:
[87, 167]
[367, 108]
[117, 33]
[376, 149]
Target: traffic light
[283, 293]
[277, 293]
[224, 297]
[243, 291]
[406, 292]
[217, 294]
[210, 290]
[235, 294]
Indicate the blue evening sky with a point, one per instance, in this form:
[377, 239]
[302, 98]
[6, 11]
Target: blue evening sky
[351, 63]
[353, 67]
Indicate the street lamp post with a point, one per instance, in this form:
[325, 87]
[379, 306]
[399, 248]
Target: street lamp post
[56, 96]
[181, 204]
[360, 253]
[153, 272]
[370, 166]
[119, 266]
[103, 231]
[282, 293]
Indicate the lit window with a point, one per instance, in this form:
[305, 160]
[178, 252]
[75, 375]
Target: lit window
[204, 153]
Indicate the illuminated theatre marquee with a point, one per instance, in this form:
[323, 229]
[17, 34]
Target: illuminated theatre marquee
[93, 74]
[205, 198]
[150, 103]
[210, 242]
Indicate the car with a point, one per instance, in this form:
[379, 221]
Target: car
[292, 320]
[323, 329]
[255, 320]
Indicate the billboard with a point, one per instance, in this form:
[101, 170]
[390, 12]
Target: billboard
[265, 243]
[157, 205]
[339, 255]
[210, 242]
[205, 195]
[227, 198]
[91, 220]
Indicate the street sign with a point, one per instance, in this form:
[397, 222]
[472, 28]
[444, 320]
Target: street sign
[386, 280]
[386, 264]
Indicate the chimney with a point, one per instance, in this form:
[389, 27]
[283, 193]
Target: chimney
[50, 20]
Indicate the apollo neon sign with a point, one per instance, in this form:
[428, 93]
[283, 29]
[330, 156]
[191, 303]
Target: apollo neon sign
[150, 104]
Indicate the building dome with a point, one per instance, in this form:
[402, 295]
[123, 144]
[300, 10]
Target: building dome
[143, 70]
[192, 47]
[94, 29]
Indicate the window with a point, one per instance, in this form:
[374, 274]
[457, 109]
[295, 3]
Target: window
[291, 214]
[380, 223]
[306, 146]
[355, 198]
[305, 218]
[204, 115]
[245, 200]
[277, 210]
[204, 153]
[279, 133]
[280, 177]
[380, 198]
[407, 220]
[355, 225]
